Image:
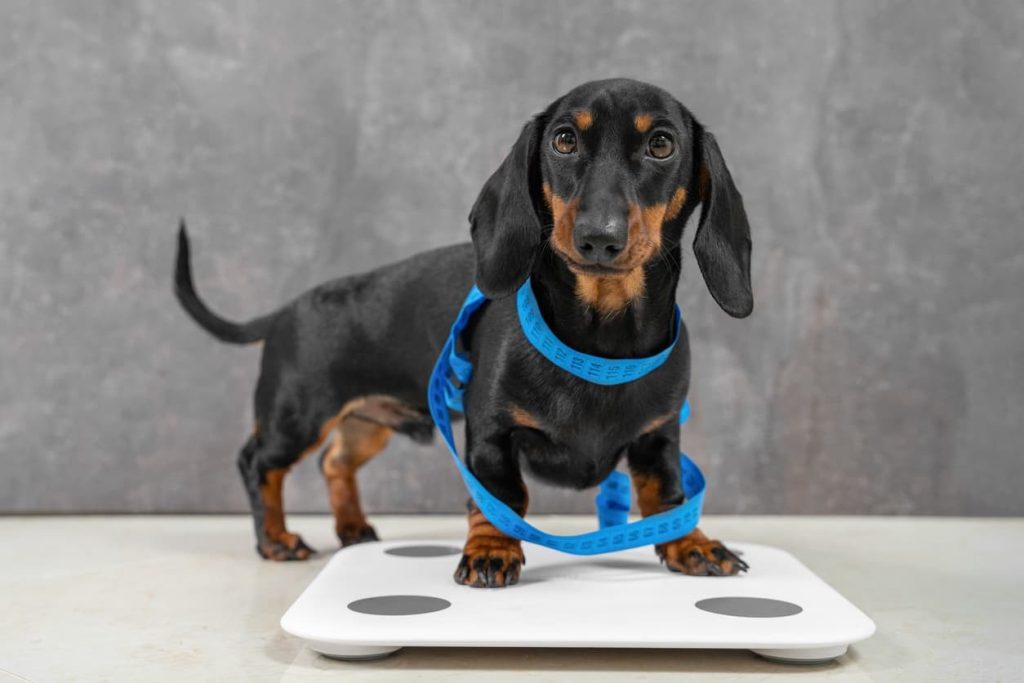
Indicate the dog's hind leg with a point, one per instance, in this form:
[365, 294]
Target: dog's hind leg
[354, 443]
[365, 426]
[263, 463]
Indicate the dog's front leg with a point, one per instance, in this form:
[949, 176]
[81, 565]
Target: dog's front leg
[490, 559]
[654, 465]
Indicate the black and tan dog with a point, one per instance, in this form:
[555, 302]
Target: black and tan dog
[591, 202]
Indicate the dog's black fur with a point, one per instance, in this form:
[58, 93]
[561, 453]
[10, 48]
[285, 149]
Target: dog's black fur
[598, 229]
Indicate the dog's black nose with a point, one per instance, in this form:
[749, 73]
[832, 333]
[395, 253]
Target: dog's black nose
[600, 243]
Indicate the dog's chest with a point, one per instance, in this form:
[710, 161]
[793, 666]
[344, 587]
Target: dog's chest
[566, 430]
[582, 430]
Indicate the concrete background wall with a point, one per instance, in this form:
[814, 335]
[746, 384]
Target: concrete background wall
[878, 146]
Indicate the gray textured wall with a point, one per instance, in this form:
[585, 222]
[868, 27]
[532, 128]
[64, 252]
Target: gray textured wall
[878, 146]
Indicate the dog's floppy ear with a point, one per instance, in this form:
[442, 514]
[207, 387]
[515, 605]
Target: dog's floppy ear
[722, 242]
[505, 221]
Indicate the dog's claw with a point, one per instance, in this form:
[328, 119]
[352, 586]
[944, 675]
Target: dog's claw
[723, 554]
[488, 570]
[701, 566]
[462, 571]
[288, 548]
[697, 555]
[354, 536]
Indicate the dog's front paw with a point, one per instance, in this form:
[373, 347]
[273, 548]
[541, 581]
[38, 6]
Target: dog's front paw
[353, 535]
[286, 547]
[490, 562]
[697, 555]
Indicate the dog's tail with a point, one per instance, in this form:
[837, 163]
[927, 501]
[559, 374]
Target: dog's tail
[225, 330]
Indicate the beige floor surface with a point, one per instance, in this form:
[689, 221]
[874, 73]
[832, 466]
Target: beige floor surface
[186, 599]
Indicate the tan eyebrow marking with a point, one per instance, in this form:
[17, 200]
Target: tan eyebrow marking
[584, 120]
[643, 122]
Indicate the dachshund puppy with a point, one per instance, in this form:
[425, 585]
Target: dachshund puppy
[590, 204]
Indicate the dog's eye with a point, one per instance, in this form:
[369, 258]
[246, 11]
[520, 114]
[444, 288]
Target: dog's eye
[564, 142]
[660, 146]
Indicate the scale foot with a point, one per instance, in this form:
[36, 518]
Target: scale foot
[812, 655]
[355, 653]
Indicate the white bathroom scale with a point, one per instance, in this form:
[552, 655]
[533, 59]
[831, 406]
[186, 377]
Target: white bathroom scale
[375, 598]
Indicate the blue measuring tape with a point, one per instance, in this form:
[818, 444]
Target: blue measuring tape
[448, 382]
[594, 369]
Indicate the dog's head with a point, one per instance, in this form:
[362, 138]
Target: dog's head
[608, 176]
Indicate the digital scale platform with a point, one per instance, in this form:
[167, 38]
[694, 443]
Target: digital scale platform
[373, 599]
